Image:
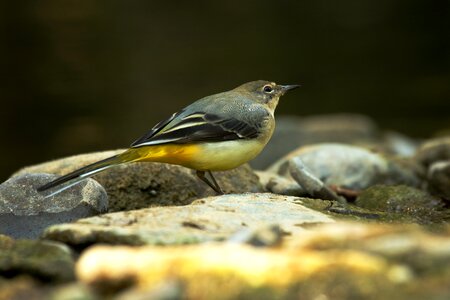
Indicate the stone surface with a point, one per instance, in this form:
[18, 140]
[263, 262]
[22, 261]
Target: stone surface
[292, 132]
[279, 184]
[22, 287]
[71, 291]
[308, 181]
[410, 204]
[399, 144]
[138, 185]
[44, 260]
[335, 261]
[24, 212]
[208, 219]
[439, 179]
[433, 150]
[348, 166]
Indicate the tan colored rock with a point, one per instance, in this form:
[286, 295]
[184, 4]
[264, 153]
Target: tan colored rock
[222, 272]
[138, 185]
[208, 219]
[331, 261]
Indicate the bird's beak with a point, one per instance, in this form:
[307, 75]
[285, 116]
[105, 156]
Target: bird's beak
[285, 88]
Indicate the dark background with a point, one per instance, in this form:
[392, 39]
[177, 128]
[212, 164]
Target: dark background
[90, 75]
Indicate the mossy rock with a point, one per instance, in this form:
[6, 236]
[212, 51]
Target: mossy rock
[404, 203]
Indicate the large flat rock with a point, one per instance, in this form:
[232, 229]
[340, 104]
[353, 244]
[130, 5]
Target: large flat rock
[208, 219]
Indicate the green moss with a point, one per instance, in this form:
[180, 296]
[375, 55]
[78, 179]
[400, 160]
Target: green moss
[404, 204]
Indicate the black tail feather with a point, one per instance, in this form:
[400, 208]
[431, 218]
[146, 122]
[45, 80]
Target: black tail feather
[77, 175]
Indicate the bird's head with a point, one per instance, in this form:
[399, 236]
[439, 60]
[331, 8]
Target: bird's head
[265, 92]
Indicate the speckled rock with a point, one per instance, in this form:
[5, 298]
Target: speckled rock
[336, 261]
[433, 150]
[208, 219]
[138, 185]
[407, 202]
[348, 166]
[45, 260]
[292, 132]
[24, 212]
[439, 179]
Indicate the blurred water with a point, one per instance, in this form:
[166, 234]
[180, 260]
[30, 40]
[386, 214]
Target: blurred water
[93, 75]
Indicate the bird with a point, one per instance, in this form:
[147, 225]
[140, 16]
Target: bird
[215, 133]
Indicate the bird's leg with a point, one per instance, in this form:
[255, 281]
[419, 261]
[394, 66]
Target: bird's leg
[213, 184]
[219, 189]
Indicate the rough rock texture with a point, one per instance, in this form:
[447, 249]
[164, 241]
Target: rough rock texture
[214, 218]
[292, 132]
[407, 202]
[44, 260]
[138, 185]
[347, 166]
[338, 261]
[24, 212]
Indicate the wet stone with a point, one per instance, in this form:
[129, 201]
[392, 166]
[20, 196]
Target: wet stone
[25, 212]
[408, 203]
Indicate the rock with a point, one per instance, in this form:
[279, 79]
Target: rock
[399, 144]
[312, 185]
[138, 185]
[420, 252]
[406, 202]
[22, 287]
[44, 260]
[280, 185]
[208, 219]
[439, 179]
[24, 212]
[72, 291]
[433, 150]
[292, 132]
[200, 270]
[347, 166]
[268, 236]
[335, 261]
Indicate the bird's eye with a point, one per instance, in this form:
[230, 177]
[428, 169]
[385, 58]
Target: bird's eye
[267, 89]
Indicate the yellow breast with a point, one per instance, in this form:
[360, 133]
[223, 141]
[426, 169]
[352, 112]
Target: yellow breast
[217, 156]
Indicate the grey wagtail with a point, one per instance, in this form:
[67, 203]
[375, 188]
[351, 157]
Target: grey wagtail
[216, 133]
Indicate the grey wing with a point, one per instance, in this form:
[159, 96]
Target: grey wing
[200, 127]
[157, 128]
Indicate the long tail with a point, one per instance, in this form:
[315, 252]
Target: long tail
[80, 174]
